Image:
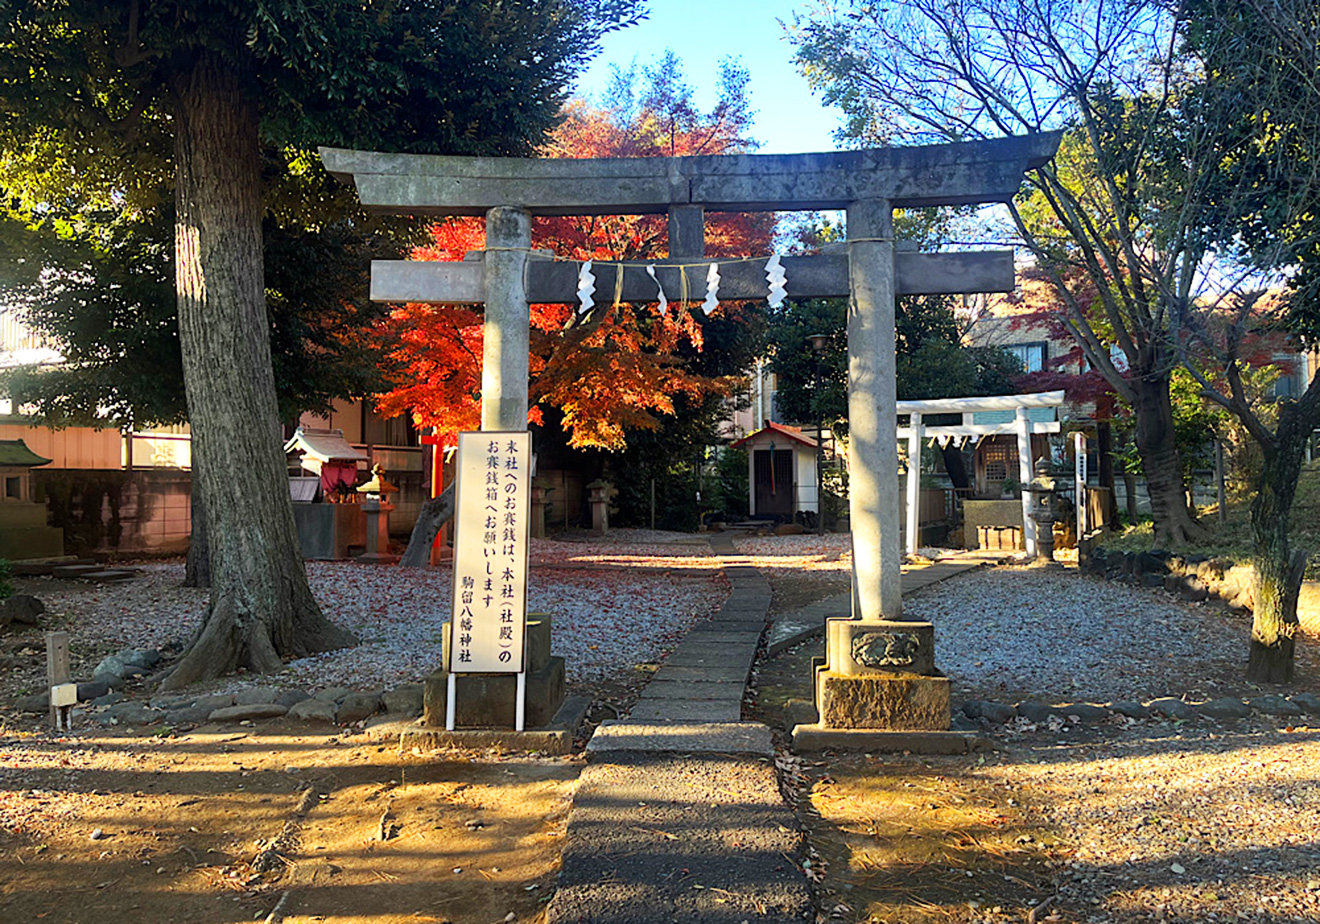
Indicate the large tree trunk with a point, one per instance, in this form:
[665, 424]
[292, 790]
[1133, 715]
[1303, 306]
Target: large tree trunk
[1279, 568]
[261, 609]
[1175, 525]
[434, 514]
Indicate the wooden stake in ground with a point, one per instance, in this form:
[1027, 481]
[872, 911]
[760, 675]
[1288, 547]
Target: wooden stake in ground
[57, 677]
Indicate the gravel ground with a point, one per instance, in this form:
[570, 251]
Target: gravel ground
[1013, 633]
[828, 555]
[1161, 820]
[1185, 823]
[616, 602]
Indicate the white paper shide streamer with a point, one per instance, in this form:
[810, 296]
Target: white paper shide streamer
[774, 274]
[664, 302]
[586, 288]
[712, 289]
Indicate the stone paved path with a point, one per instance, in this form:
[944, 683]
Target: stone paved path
[677, 816]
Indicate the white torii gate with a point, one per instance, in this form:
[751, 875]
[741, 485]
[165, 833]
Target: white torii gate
[1022, 425]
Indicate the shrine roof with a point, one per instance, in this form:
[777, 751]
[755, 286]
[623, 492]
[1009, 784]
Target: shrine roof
[989, 403]
[324, 445]
[775, 429]
[14, 454]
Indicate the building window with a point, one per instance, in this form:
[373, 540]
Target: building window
[1288, 384]
[1032, 356]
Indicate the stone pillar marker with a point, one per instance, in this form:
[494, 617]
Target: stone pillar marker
[878, 683]
[63, 694]
[599, 494]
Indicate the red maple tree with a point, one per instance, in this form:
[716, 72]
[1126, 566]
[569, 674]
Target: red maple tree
[618, 366]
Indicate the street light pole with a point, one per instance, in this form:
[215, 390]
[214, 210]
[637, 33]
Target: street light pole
[818, 342]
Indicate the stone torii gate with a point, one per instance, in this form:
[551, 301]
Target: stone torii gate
[868, 184]
[880, 674]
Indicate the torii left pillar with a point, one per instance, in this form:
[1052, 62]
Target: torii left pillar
[504, 369]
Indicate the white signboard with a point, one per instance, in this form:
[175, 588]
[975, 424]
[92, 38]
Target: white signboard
[490, 552]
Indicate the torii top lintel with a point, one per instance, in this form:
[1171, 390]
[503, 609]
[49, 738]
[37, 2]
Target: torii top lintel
[908, 177]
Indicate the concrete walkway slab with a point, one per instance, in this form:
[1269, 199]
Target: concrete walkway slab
[746, 738]
[694, 839]
[731, 673]
[713, 656]
[715, 690]
[685, 711]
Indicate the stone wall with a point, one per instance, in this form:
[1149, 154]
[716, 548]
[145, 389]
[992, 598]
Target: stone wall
[1194, 577]
[147, 511]
[142, 512]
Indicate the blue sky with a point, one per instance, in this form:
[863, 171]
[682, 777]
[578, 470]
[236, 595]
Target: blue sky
[789, 119]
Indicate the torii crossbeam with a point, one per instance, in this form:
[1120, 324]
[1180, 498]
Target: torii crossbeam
[869, 184]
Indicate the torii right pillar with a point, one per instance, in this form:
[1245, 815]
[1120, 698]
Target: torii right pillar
[877, 688]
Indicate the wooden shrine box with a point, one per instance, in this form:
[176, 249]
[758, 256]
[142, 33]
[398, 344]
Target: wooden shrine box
[326, 529]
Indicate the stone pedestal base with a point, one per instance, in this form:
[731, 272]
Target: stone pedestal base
[491, 700]
[892, 701]
[554, 737]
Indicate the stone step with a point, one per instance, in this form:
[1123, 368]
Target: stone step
[69, 572]
[32, 568]
[108, 576]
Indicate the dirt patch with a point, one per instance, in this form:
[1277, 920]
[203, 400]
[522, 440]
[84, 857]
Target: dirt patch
[217, 825]
[903, 839]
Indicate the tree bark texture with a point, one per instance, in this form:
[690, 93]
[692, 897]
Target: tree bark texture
[1175, 524]
[197, 572]
[1279, 568]
[434, 514]
[261, 608]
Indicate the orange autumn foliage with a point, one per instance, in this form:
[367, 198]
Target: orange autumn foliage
[612, 370]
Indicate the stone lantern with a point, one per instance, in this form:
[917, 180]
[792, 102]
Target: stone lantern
[377, 507]
[1042, 508]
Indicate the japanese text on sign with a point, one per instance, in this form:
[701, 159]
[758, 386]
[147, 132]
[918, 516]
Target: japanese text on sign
[490, 552]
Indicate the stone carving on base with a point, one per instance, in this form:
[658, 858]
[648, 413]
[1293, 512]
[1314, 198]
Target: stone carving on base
[885, 649]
